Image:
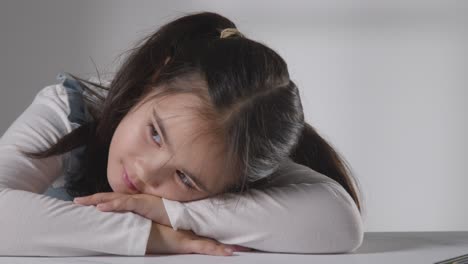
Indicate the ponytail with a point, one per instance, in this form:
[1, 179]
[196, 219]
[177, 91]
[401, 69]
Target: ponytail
[316, 153]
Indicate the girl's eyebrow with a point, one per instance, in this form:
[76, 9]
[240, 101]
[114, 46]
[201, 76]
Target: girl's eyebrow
[160, 124]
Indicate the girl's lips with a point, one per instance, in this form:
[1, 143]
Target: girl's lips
[128, 182]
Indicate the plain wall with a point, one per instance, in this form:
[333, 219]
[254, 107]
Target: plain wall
[384, 82]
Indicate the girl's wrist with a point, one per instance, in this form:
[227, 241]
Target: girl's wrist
[161, 216]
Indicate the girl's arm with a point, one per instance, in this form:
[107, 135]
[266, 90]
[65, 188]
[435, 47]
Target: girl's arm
[32, 224]
[300, 211]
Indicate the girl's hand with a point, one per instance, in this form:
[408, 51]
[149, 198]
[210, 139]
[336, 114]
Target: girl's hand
[148, 206]
[165, 240]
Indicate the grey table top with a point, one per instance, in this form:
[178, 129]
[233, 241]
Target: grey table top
[377, 247]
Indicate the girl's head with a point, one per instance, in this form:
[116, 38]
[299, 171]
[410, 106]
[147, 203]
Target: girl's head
[169, 148]
[199, 112]
[196, 104]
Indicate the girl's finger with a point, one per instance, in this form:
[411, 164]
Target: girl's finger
[209, 247]
[113, 205]
[96, 198]
[121, 204]
[240, 248]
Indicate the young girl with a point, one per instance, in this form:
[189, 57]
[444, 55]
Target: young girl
[199, 138]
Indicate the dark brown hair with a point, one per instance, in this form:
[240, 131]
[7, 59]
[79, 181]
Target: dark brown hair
[253, 103]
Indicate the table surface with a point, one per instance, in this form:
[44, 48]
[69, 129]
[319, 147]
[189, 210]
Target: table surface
[377, 247]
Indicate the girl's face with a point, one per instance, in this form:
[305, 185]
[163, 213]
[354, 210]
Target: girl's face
[162, 155]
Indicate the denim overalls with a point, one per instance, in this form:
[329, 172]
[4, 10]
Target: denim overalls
[77, 116]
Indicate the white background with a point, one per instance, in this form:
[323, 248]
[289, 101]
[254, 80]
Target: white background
[384, 82]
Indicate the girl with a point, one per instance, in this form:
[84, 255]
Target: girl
[197, 145]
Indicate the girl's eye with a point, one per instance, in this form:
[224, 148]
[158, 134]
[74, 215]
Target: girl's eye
[185, 180]
[155, 134]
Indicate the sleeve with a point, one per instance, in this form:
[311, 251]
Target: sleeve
[294, 215]
[33, 224]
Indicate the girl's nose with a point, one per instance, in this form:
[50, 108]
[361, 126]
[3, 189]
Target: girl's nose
[153, 170]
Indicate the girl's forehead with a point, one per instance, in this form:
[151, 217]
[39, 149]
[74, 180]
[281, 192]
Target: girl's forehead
[170, 101]
[159, 96]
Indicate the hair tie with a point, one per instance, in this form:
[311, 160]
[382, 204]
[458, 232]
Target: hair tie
[227, 32]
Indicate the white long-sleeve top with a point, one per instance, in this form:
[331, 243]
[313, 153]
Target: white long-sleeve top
[298, 211]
